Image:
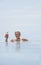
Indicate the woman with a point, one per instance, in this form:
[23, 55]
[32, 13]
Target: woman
[17, 35]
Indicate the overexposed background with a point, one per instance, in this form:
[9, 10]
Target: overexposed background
[22, 15]
[25, 16]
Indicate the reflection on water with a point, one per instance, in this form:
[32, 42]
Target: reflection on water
[6, 43]
[18, 45]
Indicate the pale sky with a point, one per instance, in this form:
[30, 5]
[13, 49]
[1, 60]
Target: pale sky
[22, 15]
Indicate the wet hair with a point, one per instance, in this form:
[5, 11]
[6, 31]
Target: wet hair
[18, 32]
[7, 32]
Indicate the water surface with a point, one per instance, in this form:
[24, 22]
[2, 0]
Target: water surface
[26, 53]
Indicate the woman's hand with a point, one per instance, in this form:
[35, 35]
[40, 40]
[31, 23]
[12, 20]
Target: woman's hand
[12, 40]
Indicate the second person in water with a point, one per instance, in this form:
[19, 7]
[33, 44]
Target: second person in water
[6, 37]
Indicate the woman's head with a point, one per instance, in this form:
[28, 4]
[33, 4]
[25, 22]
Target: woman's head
[17, 34]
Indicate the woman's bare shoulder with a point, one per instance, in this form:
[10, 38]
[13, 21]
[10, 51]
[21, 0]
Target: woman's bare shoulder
[23, 39]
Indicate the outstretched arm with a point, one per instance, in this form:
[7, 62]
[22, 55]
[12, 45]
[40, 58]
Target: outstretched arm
[24, 39]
